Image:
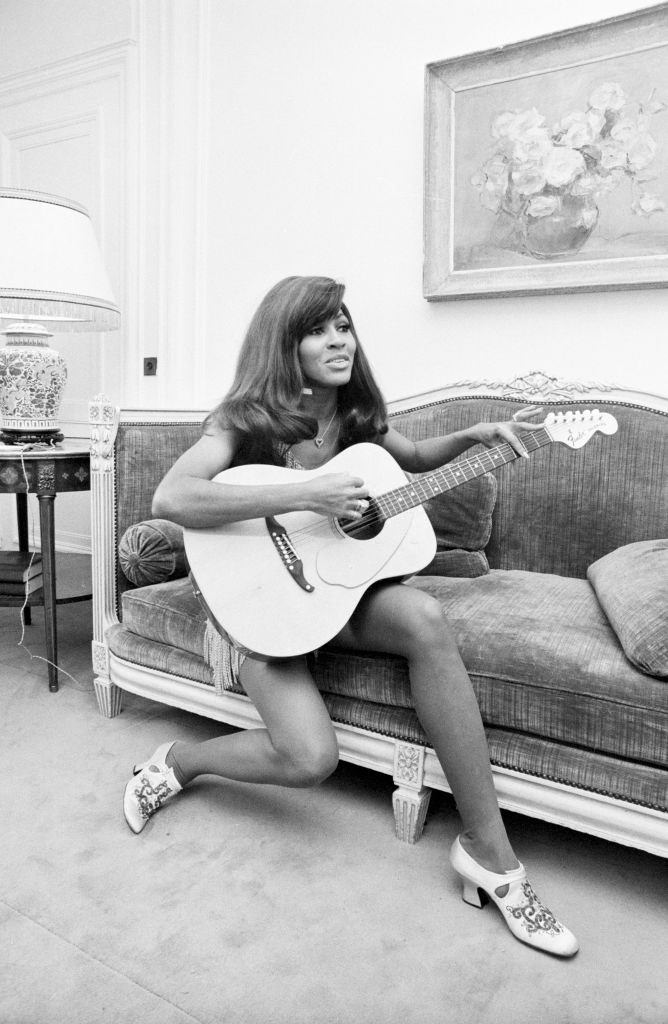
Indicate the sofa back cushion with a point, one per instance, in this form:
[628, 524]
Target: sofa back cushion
[561, 509]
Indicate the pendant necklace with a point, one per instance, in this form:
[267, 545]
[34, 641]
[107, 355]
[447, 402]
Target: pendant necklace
[319, 441]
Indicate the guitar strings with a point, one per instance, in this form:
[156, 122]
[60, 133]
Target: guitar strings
[371, 517]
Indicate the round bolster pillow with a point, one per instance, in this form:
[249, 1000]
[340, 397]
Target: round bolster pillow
[152, 552]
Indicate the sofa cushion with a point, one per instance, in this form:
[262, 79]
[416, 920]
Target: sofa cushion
[542, 657]
[462, 522]
[543, 660]
[160, 658]
[152, 552]
[168, 613]
[456, 562]
[631, 585]
[462, 517]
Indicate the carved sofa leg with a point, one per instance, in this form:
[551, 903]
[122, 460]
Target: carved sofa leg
[109, 696]
[411, 799]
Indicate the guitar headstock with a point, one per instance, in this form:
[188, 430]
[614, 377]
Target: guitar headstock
[575, 428]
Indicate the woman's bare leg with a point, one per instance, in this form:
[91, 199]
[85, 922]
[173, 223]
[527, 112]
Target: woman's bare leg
[399, 619]
[297, 747]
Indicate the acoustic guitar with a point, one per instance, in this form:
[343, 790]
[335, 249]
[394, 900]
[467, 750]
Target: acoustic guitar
[282, 586]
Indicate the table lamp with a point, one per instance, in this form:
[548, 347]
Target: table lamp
[51, 279]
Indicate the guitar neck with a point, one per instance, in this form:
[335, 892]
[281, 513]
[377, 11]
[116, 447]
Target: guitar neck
[391, 503]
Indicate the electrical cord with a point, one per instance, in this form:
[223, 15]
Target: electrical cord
[82, 687]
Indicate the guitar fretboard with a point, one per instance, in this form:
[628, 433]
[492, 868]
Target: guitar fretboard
[391, 503]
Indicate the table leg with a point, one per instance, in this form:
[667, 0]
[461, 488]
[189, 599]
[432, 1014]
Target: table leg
[22, 522]
[47, 532]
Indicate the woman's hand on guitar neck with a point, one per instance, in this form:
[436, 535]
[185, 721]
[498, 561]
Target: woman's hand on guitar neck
[337, 494]
[507, 432]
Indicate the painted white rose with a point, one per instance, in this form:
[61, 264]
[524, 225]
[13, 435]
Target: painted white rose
[496, 171]
[613, 154]
[641, 151]
[654, 105]
[586, 185]
[646, 204]
[608, 96]
[625, 131]
[528, 180]
[513, 124]
[532, 146]
[562, 165]
[492, 182]
[589, 216]
[543, 206]
[489, 197]
[580, 128]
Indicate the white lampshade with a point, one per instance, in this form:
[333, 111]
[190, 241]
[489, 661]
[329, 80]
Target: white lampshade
[51, 279]
[51, 268]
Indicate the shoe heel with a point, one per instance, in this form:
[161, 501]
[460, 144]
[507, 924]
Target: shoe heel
[473, 895]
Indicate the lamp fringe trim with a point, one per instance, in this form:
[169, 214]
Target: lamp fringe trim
[76, 313]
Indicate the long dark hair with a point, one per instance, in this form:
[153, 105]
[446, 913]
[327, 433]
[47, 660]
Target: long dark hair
[263, 401]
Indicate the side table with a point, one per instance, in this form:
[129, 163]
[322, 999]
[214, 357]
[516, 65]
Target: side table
[45, 472]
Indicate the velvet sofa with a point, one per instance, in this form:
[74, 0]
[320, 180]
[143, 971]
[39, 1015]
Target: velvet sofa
[553, 572]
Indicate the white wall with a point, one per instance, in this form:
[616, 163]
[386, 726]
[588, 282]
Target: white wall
[237, 141]
[316, 166]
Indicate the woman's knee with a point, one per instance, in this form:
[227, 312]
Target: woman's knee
[309, 764]
[300, 730]
[427, 628]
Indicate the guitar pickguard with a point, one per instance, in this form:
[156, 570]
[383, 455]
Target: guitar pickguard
[345, 562]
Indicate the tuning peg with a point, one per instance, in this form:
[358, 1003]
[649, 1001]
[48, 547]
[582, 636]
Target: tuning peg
[550, 418]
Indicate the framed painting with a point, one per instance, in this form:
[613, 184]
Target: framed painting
[546, 163]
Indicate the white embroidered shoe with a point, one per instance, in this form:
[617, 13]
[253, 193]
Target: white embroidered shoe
[528, 919]
[152, 785]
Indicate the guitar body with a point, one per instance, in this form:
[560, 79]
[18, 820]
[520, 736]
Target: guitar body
[263, 605]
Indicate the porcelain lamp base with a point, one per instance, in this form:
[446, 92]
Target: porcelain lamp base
[32, 378]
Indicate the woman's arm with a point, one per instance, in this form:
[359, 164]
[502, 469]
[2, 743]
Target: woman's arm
[432, 452]
[188, 495]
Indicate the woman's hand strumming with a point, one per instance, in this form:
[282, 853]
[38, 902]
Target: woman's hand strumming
[337, 494]
[509, 432]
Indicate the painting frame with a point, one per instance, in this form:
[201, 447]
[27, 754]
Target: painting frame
[452, 82]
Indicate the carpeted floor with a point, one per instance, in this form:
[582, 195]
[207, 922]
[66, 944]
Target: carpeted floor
[257, 905]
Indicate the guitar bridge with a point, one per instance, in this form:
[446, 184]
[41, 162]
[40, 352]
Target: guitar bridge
[287, 553]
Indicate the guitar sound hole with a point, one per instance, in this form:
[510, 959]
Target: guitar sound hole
[368, 526]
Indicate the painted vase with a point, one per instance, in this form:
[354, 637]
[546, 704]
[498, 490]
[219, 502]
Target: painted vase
[32, 378]
[563, 232]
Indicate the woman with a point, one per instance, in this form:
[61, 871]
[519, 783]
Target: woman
[303, 391]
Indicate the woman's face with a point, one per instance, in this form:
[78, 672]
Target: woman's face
[326, 353]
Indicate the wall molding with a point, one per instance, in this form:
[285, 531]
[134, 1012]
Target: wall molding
[173, 88]
[65, 74]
